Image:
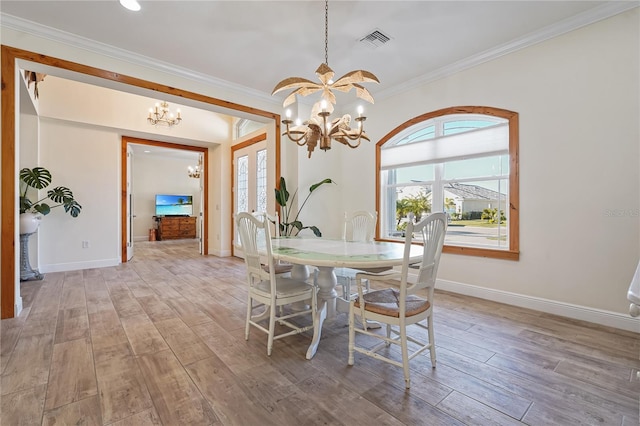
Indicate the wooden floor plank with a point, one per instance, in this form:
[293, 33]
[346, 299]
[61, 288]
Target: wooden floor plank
[143, 335]
[72, 324]
[29, 364]
[24, 407]
[472, 412]
[225, 394]
[67, 385]
[83, 412]
[407, 408]
[176, 398]
[183, 341]
[144, 418]
[123, 392]
[156, 309]
[584, 395]
[163, 344]
[188, 311]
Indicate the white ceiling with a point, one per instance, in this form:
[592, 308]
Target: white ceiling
[252, 45]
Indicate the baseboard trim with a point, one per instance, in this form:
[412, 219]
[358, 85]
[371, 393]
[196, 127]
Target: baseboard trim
[584, 313]
[17, 307]
[63, 267]
[220, 253]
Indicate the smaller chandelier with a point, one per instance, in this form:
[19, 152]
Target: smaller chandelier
[195, 172]
[160, 114]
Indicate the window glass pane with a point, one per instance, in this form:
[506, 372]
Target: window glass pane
[477, 167]
[414, 199]
[459, 126]
[414, 174]
[479, 217]
[427, 133]
[243, 184]
[261, 180]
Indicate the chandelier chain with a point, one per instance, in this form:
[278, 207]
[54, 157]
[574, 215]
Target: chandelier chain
[320, 129]
[326, 32]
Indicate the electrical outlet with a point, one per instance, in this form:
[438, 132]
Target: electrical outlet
[85, 244]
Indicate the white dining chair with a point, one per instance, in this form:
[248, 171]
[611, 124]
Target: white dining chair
[281, 268]
[357, 226]
[268, 289]
[399, 306]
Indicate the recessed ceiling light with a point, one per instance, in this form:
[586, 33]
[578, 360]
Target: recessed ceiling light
[147, 151]
[131, 4]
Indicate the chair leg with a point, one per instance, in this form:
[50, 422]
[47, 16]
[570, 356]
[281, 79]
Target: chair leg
[346, 290]
[272, 329]
[352, 332]
[405, 355]
[432, 349]
[388, 334]
[247, 325]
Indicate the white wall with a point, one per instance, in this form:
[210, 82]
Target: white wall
[84, 159]
[577, 96]
[159, 175]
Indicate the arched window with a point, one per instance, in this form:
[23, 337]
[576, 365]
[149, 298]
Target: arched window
[460, 160]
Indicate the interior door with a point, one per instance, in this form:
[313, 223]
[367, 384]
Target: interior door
[252, 182]
[201, 212]
[129, 207]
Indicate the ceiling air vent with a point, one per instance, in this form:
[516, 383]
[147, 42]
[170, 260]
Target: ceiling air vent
[375, 39]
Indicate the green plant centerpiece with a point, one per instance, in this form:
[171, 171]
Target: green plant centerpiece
[60, 196]
[289, 224]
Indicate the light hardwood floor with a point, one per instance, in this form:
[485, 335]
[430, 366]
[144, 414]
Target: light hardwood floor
[160, 341]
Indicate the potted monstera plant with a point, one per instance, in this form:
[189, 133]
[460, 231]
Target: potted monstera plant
[31, 212]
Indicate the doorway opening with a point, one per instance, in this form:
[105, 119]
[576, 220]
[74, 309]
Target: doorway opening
[14, 59]
[128, 211]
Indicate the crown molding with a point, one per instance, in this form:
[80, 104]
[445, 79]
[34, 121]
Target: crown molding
[48, 33]
[573, 23]
[586, 18]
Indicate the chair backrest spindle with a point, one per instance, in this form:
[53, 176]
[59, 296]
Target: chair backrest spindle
[254, 236]
[432, 230]
[359, 226]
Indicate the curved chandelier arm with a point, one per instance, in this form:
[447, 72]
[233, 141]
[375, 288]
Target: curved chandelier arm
[297, 140]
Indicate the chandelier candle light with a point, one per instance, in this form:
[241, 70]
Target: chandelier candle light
[160, 115]
[319, 128]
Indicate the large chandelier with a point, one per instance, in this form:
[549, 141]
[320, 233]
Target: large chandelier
[319, 129]
[160, 114]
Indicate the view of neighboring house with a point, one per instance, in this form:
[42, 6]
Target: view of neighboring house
[472, 198]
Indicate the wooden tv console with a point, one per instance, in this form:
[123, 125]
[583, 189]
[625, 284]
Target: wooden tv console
[176, 227]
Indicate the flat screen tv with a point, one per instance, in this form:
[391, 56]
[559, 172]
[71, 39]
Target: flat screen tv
[174, 205]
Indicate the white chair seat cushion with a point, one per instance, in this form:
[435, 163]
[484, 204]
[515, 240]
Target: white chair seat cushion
[387, 302]
[286, 287]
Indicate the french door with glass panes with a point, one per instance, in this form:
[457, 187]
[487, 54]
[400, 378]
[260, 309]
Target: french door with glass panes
[251, 181]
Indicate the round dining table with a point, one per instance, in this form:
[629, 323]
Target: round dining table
[326, 255]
